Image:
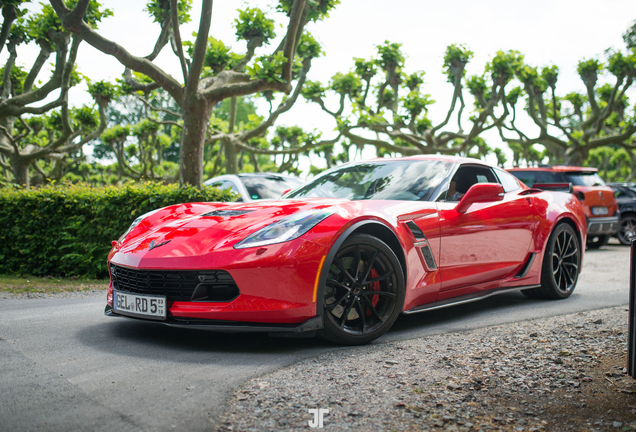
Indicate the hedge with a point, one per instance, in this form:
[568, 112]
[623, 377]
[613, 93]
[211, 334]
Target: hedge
[66, 230]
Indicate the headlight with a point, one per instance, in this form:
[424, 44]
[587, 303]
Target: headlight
[285, 229]
[135, 223]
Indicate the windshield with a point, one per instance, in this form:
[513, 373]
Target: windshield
[584, 179]
[264, 187]
[378, 180]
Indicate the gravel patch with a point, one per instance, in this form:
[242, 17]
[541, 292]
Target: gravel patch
[560, 373]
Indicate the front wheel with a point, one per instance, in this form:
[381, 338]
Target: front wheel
[627, 229]
[364, 292]
[561, 264]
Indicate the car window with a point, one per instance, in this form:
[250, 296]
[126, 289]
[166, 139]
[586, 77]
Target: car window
[413, 180]
[509, 182]
[528, 177]
[549, 177]
[225, 184]
[268, 187]
[465, 177]
[584, 179]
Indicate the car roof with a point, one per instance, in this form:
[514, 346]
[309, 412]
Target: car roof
[556, 168]
[443, 158]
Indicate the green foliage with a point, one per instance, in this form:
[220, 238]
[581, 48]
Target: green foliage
[477, 85]
[391, 56]
[614, 164]
[318, 9]
[308, 47]
[158, 8]
[364, 68]
[550, 75]
[39, 24]
[116, 133]
[253, 23]
[217, 55]
[620, 65]
[413, 81]
[313, 91]
[589, 70]
[504, 65]
[456, 58]
[66, 230]
[347, 83]
[576, 99]
[102, 91]
[630, 37]
[17, 77]
[268, 67]
[85, 118]
[415, 103]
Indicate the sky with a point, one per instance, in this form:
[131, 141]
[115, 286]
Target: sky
[547, 32]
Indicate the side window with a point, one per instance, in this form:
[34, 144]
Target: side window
[232, 186]
[508, 181]
[528, 177]
[465, 177]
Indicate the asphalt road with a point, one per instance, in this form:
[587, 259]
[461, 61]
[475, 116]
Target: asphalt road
[65, 366]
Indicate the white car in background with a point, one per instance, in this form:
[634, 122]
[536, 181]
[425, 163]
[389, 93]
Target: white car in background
[255, 186]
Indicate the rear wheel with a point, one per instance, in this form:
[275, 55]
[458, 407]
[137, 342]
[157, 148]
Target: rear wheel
[364, 291]
[561, 264]
[596, 242]
[627, 229]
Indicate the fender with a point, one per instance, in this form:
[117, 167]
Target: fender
[332, 254]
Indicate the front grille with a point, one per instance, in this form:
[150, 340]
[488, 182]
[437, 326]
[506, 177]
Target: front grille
[176, 285]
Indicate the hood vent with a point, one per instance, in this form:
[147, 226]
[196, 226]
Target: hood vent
[227, 213]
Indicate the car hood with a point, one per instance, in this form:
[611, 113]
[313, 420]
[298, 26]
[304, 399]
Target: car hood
[195, 229]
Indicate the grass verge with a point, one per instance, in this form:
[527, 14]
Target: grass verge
[48, 285]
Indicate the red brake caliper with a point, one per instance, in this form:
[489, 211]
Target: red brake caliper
[375, 286]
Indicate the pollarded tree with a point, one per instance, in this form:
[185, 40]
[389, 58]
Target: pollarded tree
[22, 97]
[199, 92]
[572, 126]
[380, 105]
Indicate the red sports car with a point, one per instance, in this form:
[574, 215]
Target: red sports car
[348, 252]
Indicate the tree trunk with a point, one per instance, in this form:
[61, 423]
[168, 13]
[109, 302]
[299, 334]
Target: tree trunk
[195, 125]
[231, 154]
[20, 168]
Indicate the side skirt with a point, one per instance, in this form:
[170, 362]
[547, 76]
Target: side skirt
[465, 299]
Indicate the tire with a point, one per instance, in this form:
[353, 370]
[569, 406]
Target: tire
[627, 229]
[561, 264]
[364, 292]
[596, 242]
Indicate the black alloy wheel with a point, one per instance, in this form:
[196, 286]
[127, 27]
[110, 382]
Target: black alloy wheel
[561, 264]
[627, 229]
[364, 292]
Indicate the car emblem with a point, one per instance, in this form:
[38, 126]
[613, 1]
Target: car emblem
[600, 195]
[153, 245]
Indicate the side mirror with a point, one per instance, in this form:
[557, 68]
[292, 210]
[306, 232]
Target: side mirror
[479, 193]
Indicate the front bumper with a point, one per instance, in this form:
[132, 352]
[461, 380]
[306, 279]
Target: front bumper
[602, 226]
[306, 328]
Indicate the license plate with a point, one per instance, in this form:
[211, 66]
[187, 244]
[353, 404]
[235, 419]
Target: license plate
[143, 306]
[599, 211]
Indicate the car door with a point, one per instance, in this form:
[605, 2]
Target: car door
[488, 242]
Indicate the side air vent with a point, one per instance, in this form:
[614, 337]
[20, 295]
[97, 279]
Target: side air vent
[415, 230]
[227, 213]
[428, 257]
[526, 267]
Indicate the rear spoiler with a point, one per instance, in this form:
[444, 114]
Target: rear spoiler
[555, 187]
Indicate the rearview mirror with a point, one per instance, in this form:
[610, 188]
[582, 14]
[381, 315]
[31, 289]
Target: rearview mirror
[479, 193]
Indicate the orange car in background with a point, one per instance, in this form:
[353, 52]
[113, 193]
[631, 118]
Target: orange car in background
[598, 200]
